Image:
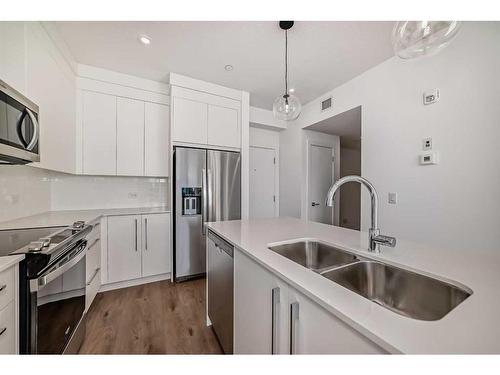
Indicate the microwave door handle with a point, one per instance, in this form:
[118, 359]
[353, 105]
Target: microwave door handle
[37, 284]
[36, 131]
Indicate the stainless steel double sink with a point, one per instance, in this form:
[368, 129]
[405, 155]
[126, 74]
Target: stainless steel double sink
[404, 292]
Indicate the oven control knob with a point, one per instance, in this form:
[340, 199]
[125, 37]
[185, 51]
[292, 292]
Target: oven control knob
[45, 241]
[35, 246]
[79, 224]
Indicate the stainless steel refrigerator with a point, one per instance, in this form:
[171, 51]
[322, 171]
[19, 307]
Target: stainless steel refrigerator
[207, 188]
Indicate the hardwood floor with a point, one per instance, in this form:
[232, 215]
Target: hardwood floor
[156, 318]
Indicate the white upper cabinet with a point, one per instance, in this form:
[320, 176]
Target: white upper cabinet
[204, 119]
[189, 121]
[99, 133]
[130, 137]
[223, 127]
[156, 139]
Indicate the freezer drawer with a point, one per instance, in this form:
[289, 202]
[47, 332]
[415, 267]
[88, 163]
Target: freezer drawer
[220, 289]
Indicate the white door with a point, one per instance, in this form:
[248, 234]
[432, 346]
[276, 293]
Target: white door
[262, 182]
[99, 134]
[189, 121]
[124, 248]
[320, 179]
[155, 244]
[223, 126]
[129, 137]
[156, 140]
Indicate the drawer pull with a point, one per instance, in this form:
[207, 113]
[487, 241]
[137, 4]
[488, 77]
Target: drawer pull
[2, 287]
[2, 330]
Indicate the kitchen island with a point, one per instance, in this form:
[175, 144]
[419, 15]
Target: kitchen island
[469, 328]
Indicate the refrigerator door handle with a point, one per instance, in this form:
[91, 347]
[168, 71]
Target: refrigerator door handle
[204, 198]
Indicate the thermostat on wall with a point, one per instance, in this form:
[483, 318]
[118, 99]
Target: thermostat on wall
[431, 96]
[429, 158]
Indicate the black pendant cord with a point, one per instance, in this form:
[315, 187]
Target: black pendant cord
[286, 66]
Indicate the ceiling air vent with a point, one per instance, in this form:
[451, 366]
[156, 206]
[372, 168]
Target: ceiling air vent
[326, 104]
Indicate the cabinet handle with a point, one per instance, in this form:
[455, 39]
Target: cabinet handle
[2, 287]
[294, 318]
[146, 230]
[135, 234]
[275, 302]
[93, 276]
[93, 243]
[2, 330]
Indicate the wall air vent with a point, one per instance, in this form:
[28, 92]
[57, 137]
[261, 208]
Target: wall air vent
[326, 104]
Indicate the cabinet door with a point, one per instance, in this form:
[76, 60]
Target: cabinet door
[99, 134]
[189, 121]
[124, 248]
[254, 328]
[156, 140]
[129, 137]
[314, 330]
[155, 244]
[223, 127]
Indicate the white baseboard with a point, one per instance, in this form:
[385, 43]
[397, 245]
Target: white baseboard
[129, 283]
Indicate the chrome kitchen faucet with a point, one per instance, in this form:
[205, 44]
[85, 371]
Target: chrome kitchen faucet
[375, 239]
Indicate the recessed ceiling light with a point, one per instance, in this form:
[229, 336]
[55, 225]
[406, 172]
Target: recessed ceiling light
[144, 39]
[291, 90]
[229, 68]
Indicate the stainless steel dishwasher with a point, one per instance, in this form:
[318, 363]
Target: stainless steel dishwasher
[220, 265]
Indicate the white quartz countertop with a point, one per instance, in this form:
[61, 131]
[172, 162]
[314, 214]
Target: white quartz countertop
[8, 261]
[469, 328]
[61, 218]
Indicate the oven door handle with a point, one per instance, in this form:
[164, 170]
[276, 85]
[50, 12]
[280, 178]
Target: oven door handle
[37, 284]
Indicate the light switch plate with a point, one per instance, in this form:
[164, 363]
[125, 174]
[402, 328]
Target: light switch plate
[427, 144]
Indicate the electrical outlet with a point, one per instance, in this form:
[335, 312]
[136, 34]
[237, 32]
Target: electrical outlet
[393, 198]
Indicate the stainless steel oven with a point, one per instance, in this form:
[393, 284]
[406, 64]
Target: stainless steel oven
[51, 286]
[58, 303]
[19, 128]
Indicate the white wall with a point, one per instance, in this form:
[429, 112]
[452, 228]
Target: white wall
[454, 204]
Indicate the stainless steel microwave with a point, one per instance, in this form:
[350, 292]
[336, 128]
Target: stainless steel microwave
[19, 128]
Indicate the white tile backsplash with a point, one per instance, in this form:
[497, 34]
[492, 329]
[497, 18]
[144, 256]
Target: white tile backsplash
[28, 190]
[88, 192]
[24, 191]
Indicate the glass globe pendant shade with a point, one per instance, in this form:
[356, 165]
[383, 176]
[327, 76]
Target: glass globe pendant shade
[412, 39]
[286, 107]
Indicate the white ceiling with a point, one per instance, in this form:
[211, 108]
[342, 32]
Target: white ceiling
[322, 55]
[346, 125]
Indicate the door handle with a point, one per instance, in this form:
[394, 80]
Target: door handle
[28, 146]
[2, 330]
[135, 234]
[203, 199]
[146, 232]
[294, 318]
[2, 287]
[275, 300]
[314, 204]
[93, 276]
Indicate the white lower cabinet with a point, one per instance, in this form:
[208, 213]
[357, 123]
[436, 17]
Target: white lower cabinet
[9, 302]
[137, 246]
[156, 244]
[93, 266]
[272, 317]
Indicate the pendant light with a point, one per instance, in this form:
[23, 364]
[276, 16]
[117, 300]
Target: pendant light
[286, 106]
[412, 39]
